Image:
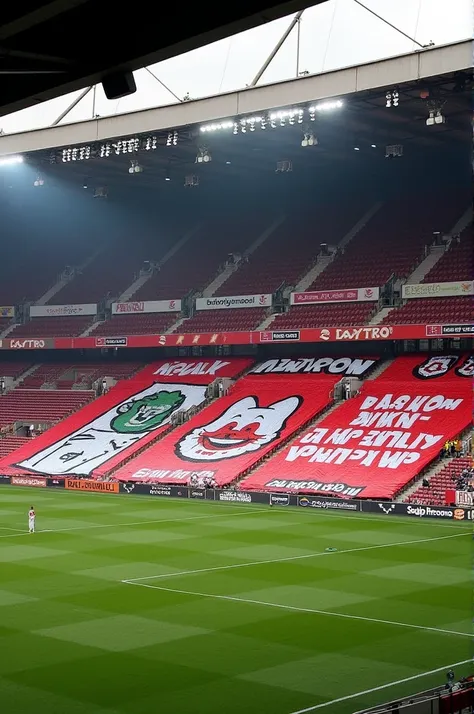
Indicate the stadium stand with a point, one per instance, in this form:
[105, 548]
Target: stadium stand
[70, 326]
[10, 443]
[224, 320]
[41, 405]
[135, 324]
[433, 311]
[327, 315]
[435, 493]
[14, 369]
[64, 376]
[457, 263]
[375, 443]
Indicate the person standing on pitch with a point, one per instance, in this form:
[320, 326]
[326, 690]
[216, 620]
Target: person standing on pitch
[31, 520]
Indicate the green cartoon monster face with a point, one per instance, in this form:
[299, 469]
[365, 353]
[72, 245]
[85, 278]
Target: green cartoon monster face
[141, 415]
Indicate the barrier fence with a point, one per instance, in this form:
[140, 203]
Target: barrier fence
[279, 500]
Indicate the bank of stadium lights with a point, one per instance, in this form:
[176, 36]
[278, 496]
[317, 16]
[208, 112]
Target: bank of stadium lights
[281, 117]
[203, 156]
[135, 167]
[77, 153]
[13, 160]
[435, 108]
[309, 139]
[172, 138]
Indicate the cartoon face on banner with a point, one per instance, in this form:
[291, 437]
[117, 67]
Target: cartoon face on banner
[114, 431]
[435, 366]
[142, 415]
[466, 369]
[244, 427]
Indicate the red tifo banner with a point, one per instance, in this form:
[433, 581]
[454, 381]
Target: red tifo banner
[237, 430]
[364, 333]
[375, 443]
[112, 427]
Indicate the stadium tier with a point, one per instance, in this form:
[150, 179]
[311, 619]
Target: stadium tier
[44, 406]
[330, 315]
[435, 493]
[433, 311]
[9, 443]
[135, 324]
[70, 326]
[224, 320]
[375, 443]
[64, 376]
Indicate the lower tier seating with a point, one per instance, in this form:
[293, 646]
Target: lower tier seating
[11, 443]
[435, 493]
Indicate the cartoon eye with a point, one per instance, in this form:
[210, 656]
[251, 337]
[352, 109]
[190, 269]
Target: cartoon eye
[123, 408]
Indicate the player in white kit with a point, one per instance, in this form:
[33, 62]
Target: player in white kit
[31, 519]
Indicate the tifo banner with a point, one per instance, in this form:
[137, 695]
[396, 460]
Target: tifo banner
[375, 443]
[96, 486]
[234, 432]
[233, 301]
[341, 366]
[347, 295]
[62, 310]
[125, 308]
[131, 414]
[433, 290]
[7, 311]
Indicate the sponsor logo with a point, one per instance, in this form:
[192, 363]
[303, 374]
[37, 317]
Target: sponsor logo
[160, 491]
[8, 311]
[387, 509]
[329, 504]
[234, 496]
[345, 295]
[449, 330]
[435, 367]
[28, 344]
[149, 412]
[111, 341]
[325, 334]
[233, 301]
[292, 336]
[429, 512]
[312, 365]
[356, 334]
[162, 340]
[130, 307]
[244, 427]
[459, 514]
[129, 487]
[279, 499]
[197, 493]
[98, 486]
[424, 290]
[28, 481]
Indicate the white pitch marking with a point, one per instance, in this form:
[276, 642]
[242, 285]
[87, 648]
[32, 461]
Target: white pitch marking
[6, 528]
[381, 687]
[293, 557]
[328, 613]
[122, 525]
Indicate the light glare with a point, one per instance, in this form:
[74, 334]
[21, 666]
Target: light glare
[11, 160]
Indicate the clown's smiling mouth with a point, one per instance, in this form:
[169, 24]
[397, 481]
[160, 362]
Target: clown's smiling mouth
[212, 443]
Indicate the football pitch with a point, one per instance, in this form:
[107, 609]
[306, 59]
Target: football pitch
[132, 605]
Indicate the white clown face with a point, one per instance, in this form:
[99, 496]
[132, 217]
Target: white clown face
[244, 427]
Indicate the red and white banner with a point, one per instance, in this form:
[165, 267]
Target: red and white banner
[233, 301]
[375, 443]
[112, 427]
[62, 310]
[125, 308]
[434, 290]
[234, 432]
[346, 295]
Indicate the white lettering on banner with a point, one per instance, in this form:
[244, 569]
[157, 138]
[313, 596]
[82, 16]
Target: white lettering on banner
[381, 447]
[311, 365]
[233, 301]
[88, 309]
[148, 475]
[27, 344]
[363, 333]
[345, 295]
[427, 290]
[340, 488]
[183, 369]
[123, 308]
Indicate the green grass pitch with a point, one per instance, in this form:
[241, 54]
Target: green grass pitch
[308, 630]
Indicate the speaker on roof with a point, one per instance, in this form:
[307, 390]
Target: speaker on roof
[119, 84]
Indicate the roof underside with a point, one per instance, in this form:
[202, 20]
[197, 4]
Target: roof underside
[52, 47]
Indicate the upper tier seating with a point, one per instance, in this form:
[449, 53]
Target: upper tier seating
[43, 374]
[327, 315]
[433, 310]
[195, 265]
[136, 324]
[457, 263]
[287, 254]
[40, 405]
[70, 326]
[224, 320]
[391, 243]
[435, 493]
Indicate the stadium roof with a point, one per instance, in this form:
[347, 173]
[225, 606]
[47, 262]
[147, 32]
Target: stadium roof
[52, 47]
[437, 64]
